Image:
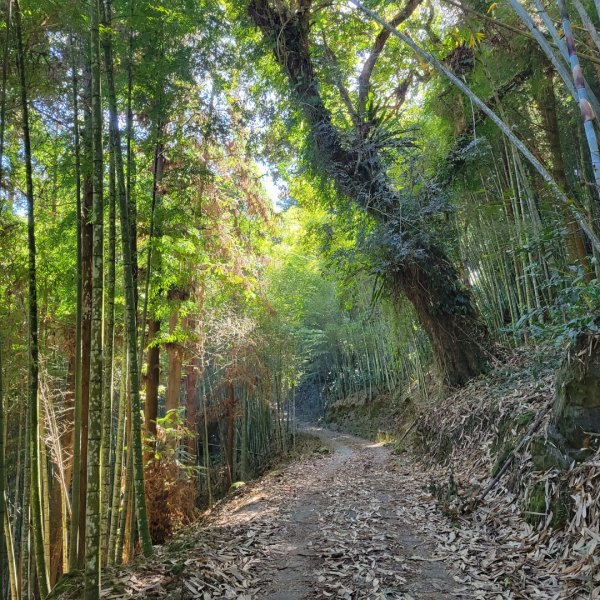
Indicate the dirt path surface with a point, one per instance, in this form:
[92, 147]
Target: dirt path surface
[343, 531]
[343, 524]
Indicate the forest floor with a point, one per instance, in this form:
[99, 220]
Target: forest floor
[352, 523]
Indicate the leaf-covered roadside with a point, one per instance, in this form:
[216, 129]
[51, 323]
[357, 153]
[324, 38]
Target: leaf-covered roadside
[537, 534]
[361, 523]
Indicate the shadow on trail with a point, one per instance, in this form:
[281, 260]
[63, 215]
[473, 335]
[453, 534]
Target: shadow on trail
[339, 528]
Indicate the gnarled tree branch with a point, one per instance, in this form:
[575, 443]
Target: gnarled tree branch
[364, 79]
[406, 255]
[344, 94]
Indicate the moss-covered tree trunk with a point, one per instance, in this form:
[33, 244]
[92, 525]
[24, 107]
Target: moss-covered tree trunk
[546, 102]
[577, 405]
[418, 266]
[72, 549]
[447, 315]
[92, 520]
[109, 331]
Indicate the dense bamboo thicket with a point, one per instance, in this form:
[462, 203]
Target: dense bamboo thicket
[216, 217]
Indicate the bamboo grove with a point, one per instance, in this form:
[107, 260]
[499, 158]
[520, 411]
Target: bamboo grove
[123, 416]
[165, 318]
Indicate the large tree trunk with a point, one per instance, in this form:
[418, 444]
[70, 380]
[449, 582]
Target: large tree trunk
[94, 466]
[451, 322]
[190, 405]
[152, 378]
[546, 102]
[416, 266]
[175, 355]
[153, 260]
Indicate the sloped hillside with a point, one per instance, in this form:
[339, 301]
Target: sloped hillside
[536, 533]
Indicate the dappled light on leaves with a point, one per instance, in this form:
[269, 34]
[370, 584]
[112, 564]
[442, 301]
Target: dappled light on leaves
[234, 234]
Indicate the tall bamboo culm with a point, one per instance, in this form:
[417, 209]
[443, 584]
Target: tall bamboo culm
[34, 440]
[130, 303]
[93, 488]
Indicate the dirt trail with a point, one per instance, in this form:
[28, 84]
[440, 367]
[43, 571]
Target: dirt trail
[353, 524]
[340, 531]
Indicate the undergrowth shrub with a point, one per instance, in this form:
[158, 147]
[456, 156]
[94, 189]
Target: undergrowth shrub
[171, 489]
[576, 301]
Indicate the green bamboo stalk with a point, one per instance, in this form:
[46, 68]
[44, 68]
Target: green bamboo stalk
[590, 201]
[20, 493]
[504, 128]
[3, 90]
[587, 113]
[587, 23]
[544, 45]
[244, 441]
[130, 154]
[130, 308]
[9, 520]
[93, 516]
[126, 504]
[3, 531]
[24, 579]
[11, 560]
[109, 333]
[75, 487]
[532, 299]
[157, 180]
[34, 448]
[45, 485]
[206, 449]
[118, 468]
[131, 525]
[597, 5]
